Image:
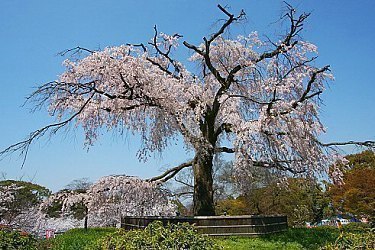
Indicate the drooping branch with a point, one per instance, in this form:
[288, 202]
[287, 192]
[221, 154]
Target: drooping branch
[170, 173]
[23, 146]
[251, 99]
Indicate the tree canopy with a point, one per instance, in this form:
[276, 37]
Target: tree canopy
[356, 195]
[18, 198]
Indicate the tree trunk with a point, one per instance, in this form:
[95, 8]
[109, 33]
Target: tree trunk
[203, 184]
[86, 218]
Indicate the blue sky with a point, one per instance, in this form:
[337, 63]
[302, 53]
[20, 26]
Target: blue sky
[33, 32]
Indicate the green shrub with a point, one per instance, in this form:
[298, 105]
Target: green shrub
[156, 236]
[13, 240]
[347, 241]
[356, 227]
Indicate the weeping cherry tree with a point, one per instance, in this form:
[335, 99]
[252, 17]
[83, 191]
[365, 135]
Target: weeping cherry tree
[261, 97]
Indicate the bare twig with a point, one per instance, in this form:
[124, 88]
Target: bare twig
[23, 146]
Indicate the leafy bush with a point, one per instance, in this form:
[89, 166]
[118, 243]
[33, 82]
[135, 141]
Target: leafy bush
[156, 236]
[14, 240]
[356, 227]
[365, 241]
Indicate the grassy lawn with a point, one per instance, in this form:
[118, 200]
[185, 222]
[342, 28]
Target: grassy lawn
[294, 238]
[75, 239]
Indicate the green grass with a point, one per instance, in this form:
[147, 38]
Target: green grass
[75, 239]
[293, 238]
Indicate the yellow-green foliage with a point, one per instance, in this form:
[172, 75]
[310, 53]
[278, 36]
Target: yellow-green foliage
[348, 241]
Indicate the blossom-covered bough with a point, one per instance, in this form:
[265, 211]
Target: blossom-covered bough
[259, 97]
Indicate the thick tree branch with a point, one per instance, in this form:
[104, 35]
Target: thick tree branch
[305, 95]
[170, 173]
[369, 144]
[223, 127]
[225, 150]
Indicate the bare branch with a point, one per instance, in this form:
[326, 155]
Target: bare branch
[305, 95]
[188, 193]
[170, 173]
[165, 54]
[138, 45]
[23, 146]
[183, 183]
[280, 165]
[207, 42]
[309, 84]
[230, 20]
[75, 50]
[225, 150]
[369, 144]
[223, 127]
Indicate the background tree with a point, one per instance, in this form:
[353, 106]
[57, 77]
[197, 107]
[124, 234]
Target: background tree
[259, 97]
[108, 199]
[302, 200]
[82, 184]
[18, 200]
[356, 195]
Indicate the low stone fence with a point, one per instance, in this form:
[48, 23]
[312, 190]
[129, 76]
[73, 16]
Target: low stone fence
[245, 225]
